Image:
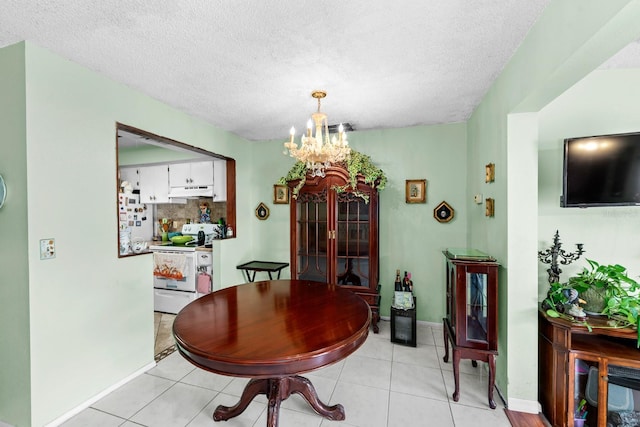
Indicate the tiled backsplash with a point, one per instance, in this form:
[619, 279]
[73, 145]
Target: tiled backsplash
[179, 213]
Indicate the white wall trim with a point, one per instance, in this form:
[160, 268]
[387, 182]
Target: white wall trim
[94, 399]
[521, 405]
[418, 322]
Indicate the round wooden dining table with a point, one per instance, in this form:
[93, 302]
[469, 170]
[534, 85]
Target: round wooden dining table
[272, 331]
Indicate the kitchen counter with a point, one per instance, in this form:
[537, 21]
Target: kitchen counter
[169, 244]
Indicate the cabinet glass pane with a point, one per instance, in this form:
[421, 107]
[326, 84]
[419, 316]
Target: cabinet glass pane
[621, 383]
[451, 296]
[476, 306]
[312, 240]
[352, 241]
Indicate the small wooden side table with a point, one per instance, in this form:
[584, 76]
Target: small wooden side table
[255, 266]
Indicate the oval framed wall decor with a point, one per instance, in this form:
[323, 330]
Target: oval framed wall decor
[3, 191]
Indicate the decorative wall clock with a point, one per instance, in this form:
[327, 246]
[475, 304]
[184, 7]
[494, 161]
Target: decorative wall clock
[3, 191]
[443, 212]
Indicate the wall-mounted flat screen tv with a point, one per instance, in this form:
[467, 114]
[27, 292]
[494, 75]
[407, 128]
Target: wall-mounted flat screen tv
[601, 171]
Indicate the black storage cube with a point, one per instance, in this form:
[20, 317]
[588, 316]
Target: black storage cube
[403, 325]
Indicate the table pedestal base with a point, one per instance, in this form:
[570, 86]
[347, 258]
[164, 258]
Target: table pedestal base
[277, 390]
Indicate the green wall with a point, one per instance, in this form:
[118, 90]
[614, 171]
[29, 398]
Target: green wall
[82, 322]
[410, 238]
[61, 118]
[604, 102]
[558, 51]
[15, 349]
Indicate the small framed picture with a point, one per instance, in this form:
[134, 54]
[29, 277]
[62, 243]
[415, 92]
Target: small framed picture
[443, 212]
[490, 172]
[489, 208]
[416, 191]
[280, 194]
[262, 211]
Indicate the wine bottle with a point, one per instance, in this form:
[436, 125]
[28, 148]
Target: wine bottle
[398, 283]
[405, 283]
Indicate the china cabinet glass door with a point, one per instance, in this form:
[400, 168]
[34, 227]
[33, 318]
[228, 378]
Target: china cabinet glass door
[352, 240]
[476, 306]
[313, 257]
[319, 242]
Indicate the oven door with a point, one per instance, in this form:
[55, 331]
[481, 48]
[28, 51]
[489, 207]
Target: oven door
[171, 301]
[174, 270]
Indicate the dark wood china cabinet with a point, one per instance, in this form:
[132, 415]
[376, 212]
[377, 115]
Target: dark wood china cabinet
[334, 235]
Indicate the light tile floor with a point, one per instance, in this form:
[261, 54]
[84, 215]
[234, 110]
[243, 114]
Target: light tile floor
[164, 344]
[380, 385]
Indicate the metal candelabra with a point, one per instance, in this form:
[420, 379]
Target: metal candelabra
[550, 256]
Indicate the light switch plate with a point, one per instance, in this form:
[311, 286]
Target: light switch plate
[47, 248]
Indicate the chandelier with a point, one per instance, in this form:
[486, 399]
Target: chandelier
[316, 150]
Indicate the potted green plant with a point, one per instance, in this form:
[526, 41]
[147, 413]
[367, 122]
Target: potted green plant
[604, 290]
[356, 164]
[607, 290]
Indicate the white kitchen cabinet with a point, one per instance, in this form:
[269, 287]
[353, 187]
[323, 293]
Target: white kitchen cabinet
[220, 180]
[191, 174]
[154, 184]
[130, 174]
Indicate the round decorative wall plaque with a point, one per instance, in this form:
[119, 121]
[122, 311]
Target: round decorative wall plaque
[3, 191]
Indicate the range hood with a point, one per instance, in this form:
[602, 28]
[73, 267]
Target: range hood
[191, 191]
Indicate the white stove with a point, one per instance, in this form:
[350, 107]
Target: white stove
[182, 273]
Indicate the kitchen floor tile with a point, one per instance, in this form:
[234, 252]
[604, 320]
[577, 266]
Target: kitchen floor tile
[423, 355]
[164, 341]
[246, 419]
[175, 407]
[366, 371]
[93, 417]
[380, 385]
[363, 406]
[408, 410]
[375, 347]
[418, 381]
[133, 396]
[173, 367]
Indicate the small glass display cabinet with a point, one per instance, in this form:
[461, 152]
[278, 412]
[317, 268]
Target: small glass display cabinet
[471, 322]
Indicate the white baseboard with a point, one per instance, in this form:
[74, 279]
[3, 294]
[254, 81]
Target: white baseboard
[94, 399]
[521, 405]
[420, 322]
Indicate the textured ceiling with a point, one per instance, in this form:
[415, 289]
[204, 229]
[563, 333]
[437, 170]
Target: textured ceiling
[249, 66]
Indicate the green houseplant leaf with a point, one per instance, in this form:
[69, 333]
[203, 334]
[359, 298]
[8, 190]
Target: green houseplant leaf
[357, 164]
[618, 293]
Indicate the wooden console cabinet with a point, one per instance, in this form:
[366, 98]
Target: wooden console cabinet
[334, 235]
[471, 324]
[561, 344]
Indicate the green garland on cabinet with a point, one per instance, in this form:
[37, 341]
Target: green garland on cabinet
[357, 164]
